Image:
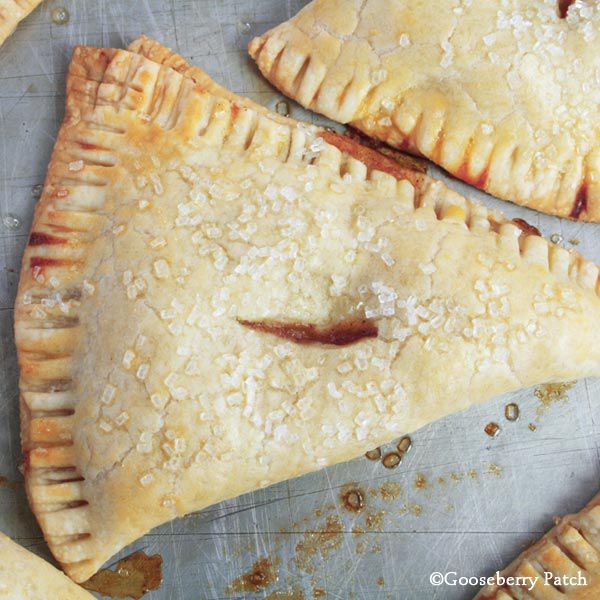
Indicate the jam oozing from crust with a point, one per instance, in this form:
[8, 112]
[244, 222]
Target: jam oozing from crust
[580, 203]
[373, 159]
[340, 334]
[87, 146]
[37, 238]
[563, 8]
[463, 175]
[525, 227]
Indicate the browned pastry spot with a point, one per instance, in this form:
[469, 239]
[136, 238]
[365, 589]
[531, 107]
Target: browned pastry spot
[38, 238]
[340, 334]
[45, 261]
[134, 575]
[371, 158]
[525, 227]
[580, 204]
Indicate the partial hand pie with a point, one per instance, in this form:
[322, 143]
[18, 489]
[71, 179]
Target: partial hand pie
[504, 96]
[564, 564]
[25, 576]
[11, 12]
[214, 299]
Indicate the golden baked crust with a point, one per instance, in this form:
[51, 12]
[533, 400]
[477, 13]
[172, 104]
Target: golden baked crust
[25, 576]
[196, 271]
[504, 97]
[11, 13]
[571, 550]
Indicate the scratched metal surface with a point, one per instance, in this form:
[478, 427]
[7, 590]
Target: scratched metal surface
[494, 495]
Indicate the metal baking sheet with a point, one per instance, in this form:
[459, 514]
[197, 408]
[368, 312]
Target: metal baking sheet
[461, 501]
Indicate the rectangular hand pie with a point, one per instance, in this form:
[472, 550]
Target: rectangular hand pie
[563, 565]
[11, 13]
[215, 298]
[502, 95]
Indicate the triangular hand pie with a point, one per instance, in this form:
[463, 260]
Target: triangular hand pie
[563, 565]
[25, 576]
[502, 95]
[215, 298]
[11, 13]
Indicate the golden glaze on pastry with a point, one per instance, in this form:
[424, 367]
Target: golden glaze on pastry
[571, 550]
[502, 95]
[12, 12]
[214, 299]
[25, 576]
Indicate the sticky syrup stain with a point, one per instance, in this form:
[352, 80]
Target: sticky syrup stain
[285, 595]
[380, 581]
[492, 429]
[7, 483]
[391, 460]
[374, 521]
[574, 242]
[420, 482]
[532, 426]
[134, 575]
[511, 412]
[373, 454]
[494, 469]
[320, 542]
[353, 499]
[60, 16]
[262, 574]
[390, 491]
[551, 393]
[319, 593]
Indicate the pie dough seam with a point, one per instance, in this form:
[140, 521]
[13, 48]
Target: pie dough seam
[419, 121]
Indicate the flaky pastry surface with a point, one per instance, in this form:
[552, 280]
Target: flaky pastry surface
[12, 12]
[214, 299]
[25, 576]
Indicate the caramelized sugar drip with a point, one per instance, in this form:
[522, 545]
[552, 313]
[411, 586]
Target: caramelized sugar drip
[262, 575]
[134, 575]
[353, 498]
[340, 334]
[549, 393]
